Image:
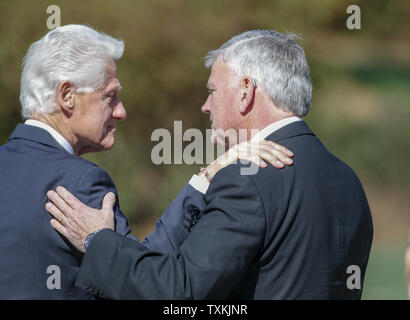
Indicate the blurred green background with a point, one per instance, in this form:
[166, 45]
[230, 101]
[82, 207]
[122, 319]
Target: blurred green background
[360, 109]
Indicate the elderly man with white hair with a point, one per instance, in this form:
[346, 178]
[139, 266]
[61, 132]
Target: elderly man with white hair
[295, 233]
[69, 98]
[69, 88]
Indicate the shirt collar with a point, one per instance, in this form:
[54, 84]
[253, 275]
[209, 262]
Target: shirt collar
[267, 131]
[57, 136]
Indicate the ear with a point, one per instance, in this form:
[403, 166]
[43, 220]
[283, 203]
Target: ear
[247, 89]
[65, 96]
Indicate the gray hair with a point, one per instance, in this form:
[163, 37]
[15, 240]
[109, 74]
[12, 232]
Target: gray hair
[277, 63]
[74, 53]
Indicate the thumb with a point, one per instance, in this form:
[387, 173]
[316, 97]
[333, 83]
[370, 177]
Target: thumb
[108, 201]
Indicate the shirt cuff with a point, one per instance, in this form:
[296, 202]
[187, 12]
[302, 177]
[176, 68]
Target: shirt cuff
[199, 183]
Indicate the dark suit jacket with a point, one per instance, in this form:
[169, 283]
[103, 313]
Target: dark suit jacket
[31, 163]
[278, 234]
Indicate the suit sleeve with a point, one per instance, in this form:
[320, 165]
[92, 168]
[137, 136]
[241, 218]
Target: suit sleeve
[172, 228]
[210, 263]
[91, 188]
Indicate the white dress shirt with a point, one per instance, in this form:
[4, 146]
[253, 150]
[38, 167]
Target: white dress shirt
[202, 185]
[274, 126]
[57, 136]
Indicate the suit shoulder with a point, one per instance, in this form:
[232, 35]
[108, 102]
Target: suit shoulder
[75, 163]
[237, 177]
[80, 168]
[344, 169]
[236, 172]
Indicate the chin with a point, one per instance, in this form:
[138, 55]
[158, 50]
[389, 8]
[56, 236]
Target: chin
[97, 147]
[220, 141]
[108, 146]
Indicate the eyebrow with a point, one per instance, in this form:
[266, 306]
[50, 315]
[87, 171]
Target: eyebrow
[210, 86]
[116, 88]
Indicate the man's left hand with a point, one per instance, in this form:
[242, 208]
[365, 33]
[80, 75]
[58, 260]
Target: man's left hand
[74, 220]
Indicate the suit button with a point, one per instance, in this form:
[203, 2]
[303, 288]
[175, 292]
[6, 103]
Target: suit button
[194, 219]
[193, 210]
[192, 222]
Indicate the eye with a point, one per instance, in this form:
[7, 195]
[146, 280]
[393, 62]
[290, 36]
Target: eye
[210, 91]
[111, 96]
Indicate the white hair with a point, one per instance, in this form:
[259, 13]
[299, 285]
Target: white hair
[74, 53]
[276, 62]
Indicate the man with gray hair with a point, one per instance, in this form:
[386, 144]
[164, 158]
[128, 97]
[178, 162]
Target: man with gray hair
[69, 98]
[294, 233]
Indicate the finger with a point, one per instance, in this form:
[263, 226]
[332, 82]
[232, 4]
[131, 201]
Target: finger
[276, 163]
[68, 197]
[272, 145]
[55, 212]
[266, 152]
[281, 148]
[59, 227]
[59, 202]
[263, 164]
[254, 159]
[271, 155]
[108, 201]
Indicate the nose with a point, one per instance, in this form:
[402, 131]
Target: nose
[206, 106]
[119, 112]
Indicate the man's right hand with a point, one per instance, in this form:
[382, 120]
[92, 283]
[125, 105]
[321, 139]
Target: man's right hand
[74, 220]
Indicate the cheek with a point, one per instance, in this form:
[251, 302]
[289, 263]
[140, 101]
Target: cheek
[218, 110]
[104, 115]
[226, 113]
